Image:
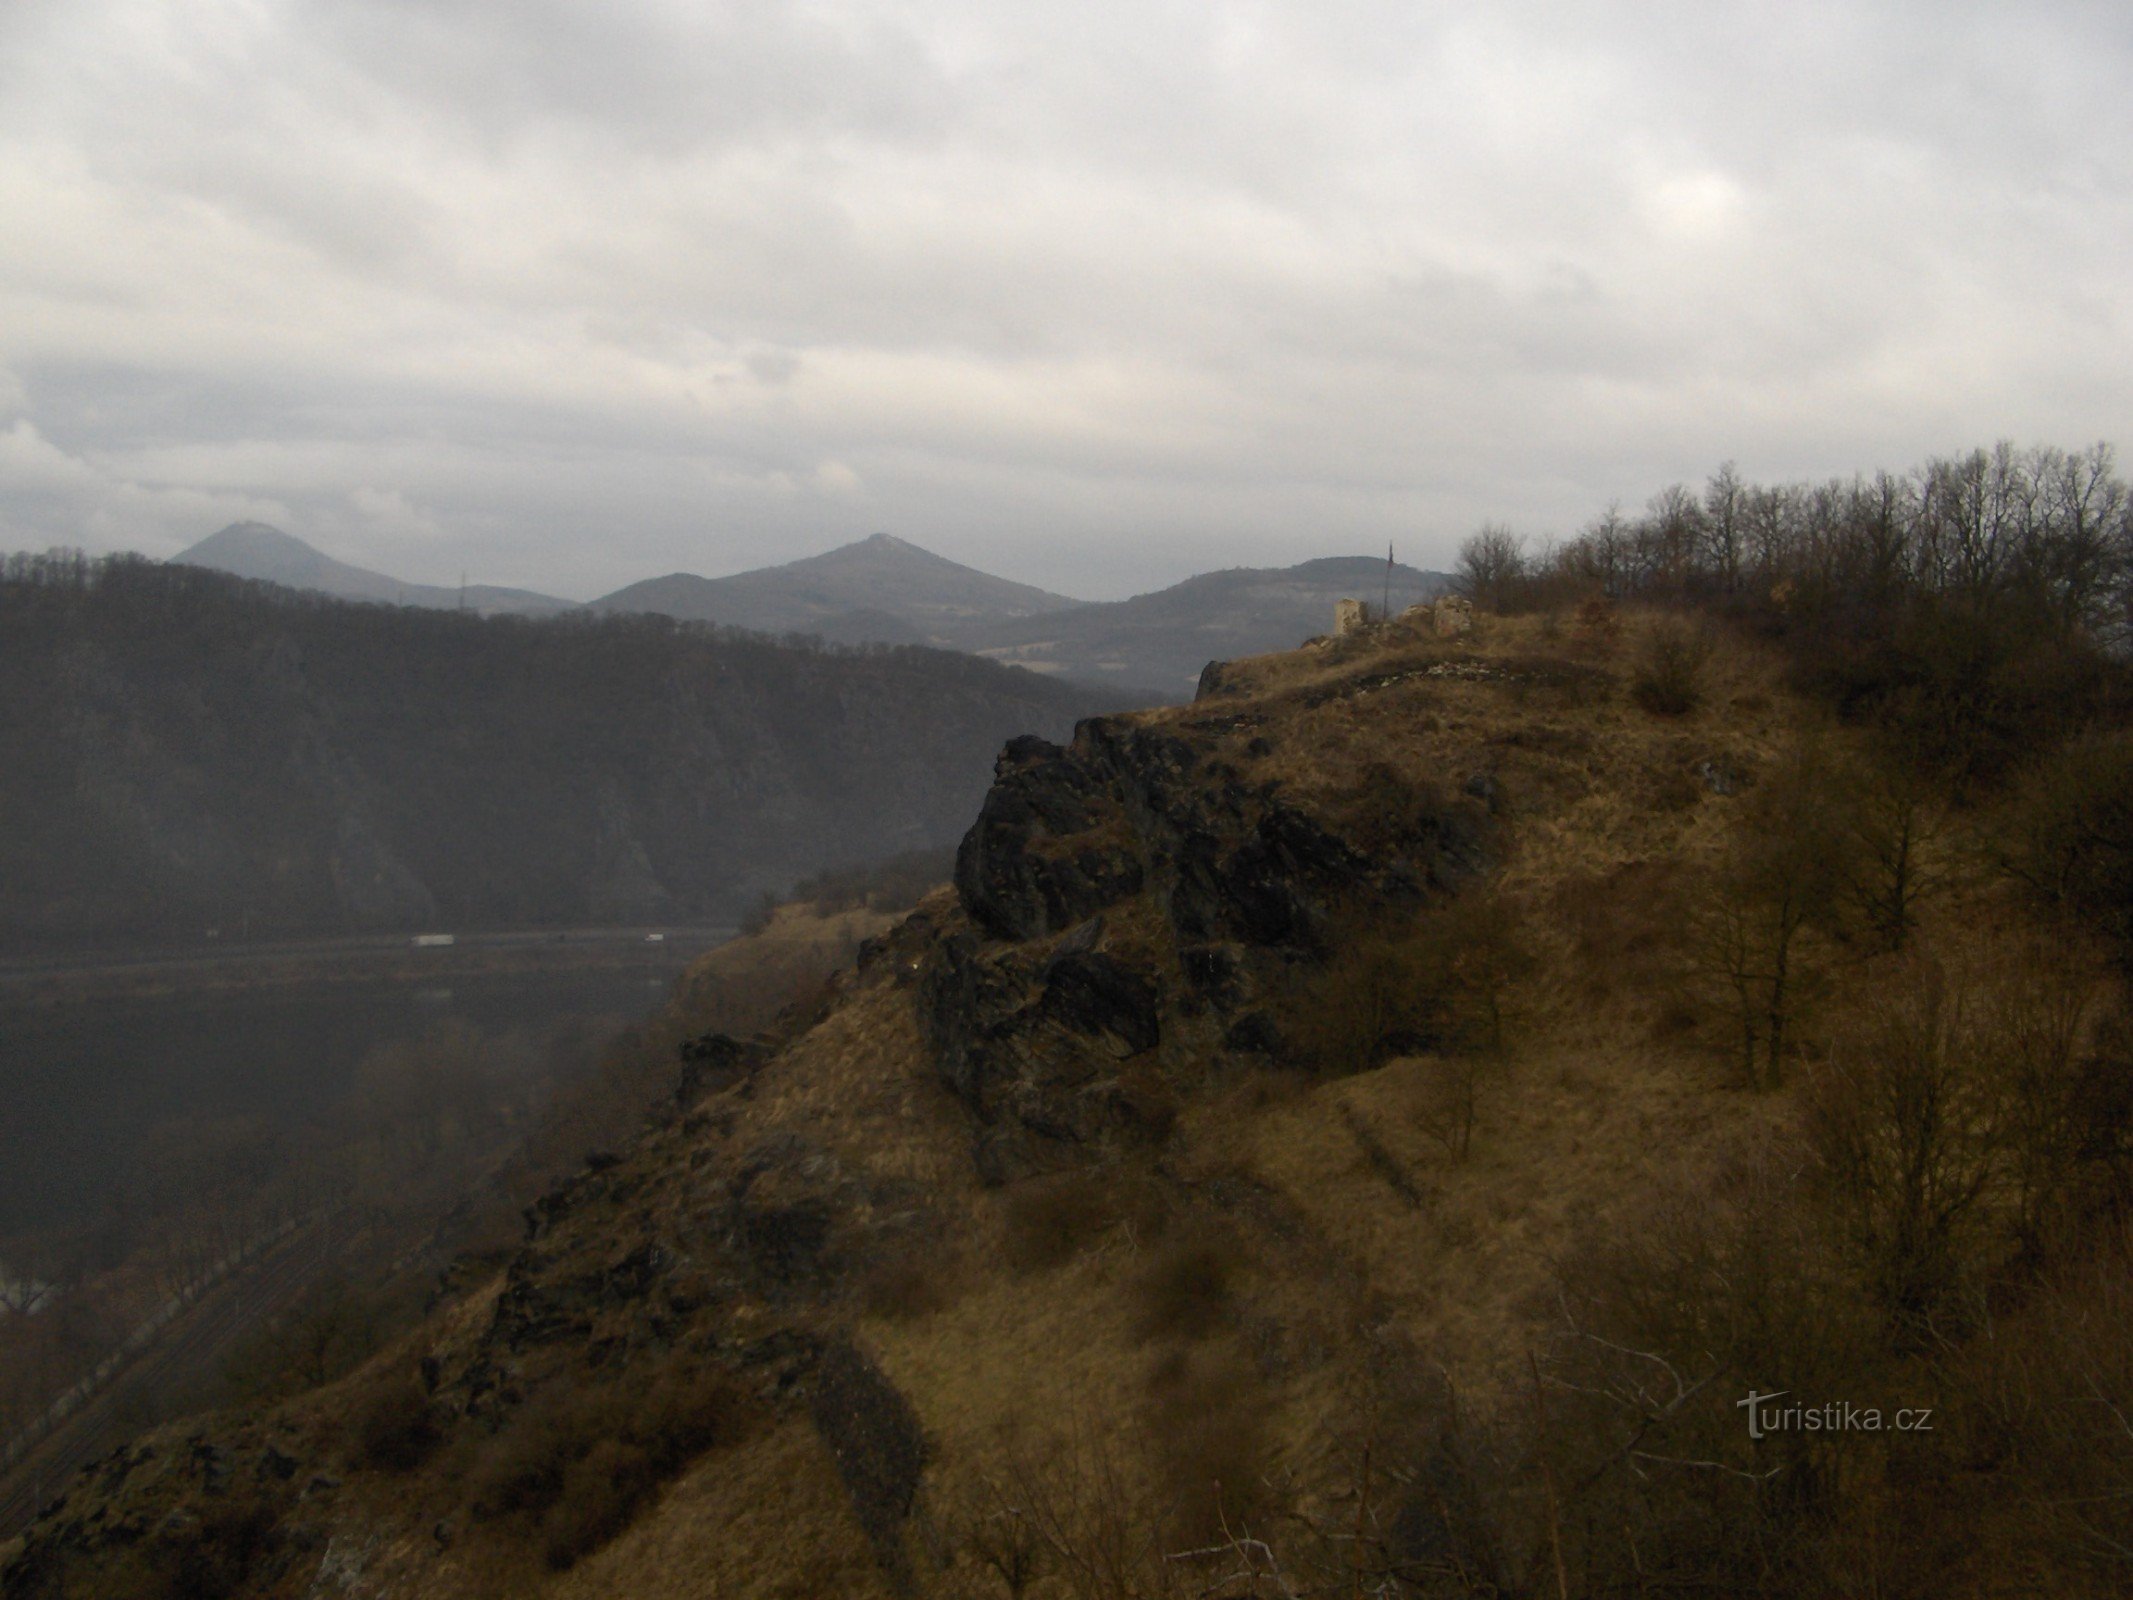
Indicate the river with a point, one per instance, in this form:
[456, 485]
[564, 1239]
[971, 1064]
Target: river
[86, 1080]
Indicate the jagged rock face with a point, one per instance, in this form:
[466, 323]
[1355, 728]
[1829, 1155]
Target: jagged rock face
[1066, 832]
[1039, 1019]
[1031, 865]
[1216, 680]
[1035, 1043]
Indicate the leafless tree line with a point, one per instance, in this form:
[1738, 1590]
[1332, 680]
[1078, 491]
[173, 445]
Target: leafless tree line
[2049, 527]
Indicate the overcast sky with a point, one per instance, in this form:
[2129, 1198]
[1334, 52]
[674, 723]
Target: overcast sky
[1092, 295]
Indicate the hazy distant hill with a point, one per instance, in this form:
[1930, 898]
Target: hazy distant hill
[881, 589]
[255, 550]
[1160, 641]
[180, 750]
[887, 590]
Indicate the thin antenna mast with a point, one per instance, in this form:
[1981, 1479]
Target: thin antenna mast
[1385, 613]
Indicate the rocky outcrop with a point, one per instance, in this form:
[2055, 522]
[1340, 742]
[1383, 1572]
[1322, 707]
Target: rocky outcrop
[1038, 860]
[1037, 1043]
[1048, 1024]
[1131, 909]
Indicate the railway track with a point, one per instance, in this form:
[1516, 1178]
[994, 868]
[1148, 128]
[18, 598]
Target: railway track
[191, 1348]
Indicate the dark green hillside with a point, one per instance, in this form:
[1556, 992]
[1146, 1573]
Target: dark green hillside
[180, 750]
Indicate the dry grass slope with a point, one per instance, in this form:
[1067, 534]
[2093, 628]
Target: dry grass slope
[1299, 1310]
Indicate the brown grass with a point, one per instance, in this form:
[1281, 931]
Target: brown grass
[1207, 1317]
[579, 1461]
[397, 1428]
[1183, 1289]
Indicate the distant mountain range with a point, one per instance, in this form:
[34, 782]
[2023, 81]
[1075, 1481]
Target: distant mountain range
[885, 590]
[880, 590]
[255, 550]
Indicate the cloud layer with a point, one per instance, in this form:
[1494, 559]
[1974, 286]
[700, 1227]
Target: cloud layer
[1092, 296]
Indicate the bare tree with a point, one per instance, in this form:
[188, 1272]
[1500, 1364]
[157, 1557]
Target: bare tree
[1491, 564]
[1725, 525]
[1906, 1119]
[1895, 825]
[1780, 877]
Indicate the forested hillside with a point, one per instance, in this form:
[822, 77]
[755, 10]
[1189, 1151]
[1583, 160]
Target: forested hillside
[183, 751]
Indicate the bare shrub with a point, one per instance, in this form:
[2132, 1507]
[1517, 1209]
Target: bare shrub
[522, 1468]
[1149, 1099]
[1625, 925]
[397, 1428]
[1447, 1102]
[2071, 837]
[326, 1333]
[1670, 666]
[1441, 982]
[1072, 1516]
[597, 1498]
[759, 915]
[579, 1462]
[1367, 996]
[1473, 953]
[894, 883]
[2044, 1404]
[1594, 623]
[2035, 1029]
[1906, 1119]
[1711, 1294]
[1780, 878]
[1492, 567]
[1896, 829]
[1183, 1290]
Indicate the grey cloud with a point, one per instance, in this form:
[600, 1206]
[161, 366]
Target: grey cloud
[1095, 296]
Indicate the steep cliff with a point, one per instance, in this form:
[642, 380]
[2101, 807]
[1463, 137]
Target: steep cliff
[1207, 1175]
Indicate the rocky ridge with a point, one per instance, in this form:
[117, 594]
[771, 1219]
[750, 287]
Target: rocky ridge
[1130, 910]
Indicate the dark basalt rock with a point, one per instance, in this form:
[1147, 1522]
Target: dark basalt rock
[531, 1311]
[785, 1245]
[1215, 679]
[1030, 1018]
[1012, 885]
[1033, 1044]
[1214, 975]
[634, 1275]
[1095, 997]
[880, 1449]
[714, 1061]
